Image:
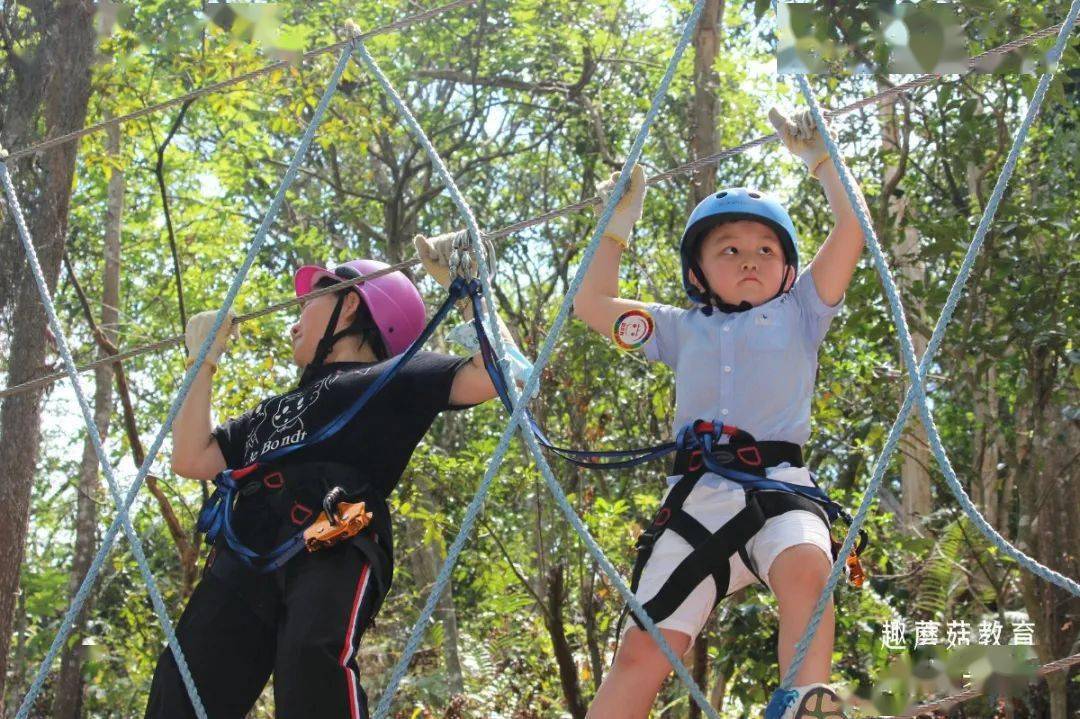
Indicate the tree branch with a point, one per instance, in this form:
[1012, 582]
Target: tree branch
[187, 553]
[159, 172]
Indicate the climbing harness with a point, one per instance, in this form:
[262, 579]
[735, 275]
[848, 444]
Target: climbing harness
[216, 515]
[280, 506]
[698, 450]
[730, 205]
[742, 460]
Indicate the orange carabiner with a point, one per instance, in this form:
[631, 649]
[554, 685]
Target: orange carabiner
[852, 565]
[855, 570]
[351, 520]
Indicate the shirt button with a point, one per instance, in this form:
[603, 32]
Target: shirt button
[727, 368]
[724, 412]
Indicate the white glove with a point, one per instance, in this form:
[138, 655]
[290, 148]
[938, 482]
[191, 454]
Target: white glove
[800, 135]
[627, 210]
[198, 327]
[465, 336]
[435, 255]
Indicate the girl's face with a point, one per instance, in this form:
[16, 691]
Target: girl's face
[743, 261]
[309, 329]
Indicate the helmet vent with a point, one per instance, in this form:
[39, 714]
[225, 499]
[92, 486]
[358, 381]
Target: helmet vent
[721, 194]
[755, 195]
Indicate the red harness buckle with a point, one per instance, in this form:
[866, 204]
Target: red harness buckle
[244, 471]
[300, 514]
[662, 517]
[274, 480]
[745, 454]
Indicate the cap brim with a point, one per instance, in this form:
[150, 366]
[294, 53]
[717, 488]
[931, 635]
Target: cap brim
[307, 276]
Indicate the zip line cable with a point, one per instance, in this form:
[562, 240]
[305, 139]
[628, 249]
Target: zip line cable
[684, 169]
[354, 46]
[232, 81]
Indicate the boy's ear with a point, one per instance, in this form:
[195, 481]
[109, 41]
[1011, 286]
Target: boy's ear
[789, 277]
[695, 281]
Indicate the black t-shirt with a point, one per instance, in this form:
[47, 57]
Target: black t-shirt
[378, 441]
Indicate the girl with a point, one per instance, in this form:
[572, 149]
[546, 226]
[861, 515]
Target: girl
[301, 618]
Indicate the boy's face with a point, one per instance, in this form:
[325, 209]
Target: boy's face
[743, 260]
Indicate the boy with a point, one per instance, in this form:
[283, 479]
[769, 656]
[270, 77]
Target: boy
[745, 356]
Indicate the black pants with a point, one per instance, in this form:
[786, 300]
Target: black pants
[302, 623]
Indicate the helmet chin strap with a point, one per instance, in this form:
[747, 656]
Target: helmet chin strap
[715, 302]
[328, 340]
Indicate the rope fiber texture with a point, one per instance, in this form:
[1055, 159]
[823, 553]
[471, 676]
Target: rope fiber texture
[123, 504]
[684, 169]
[917, 369]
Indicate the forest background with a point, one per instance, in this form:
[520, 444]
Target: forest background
[531, 104]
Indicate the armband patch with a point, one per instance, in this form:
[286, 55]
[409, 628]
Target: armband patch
[632, 330]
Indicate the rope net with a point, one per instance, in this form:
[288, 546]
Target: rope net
[354, 48]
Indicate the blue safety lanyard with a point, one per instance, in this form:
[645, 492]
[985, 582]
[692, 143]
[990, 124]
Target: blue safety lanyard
[215, 515]
[689, 438]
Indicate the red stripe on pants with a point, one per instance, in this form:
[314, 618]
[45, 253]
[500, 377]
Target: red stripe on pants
[348, 650]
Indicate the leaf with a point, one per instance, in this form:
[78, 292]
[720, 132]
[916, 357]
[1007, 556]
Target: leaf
[926, 39]
[967, 110]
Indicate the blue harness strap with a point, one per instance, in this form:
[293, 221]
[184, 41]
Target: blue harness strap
[215, 517]
[698, 435]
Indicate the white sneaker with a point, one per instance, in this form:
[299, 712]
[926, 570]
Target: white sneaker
[812, 701]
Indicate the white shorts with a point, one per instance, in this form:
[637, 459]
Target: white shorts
[713, 501]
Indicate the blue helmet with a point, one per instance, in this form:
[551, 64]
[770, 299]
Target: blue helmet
[727, 205]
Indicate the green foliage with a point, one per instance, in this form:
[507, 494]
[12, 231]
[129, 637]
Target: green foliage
[518, 151]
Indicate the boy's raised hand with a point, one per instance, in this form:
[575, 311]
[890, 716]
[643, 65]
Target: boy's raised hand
[628, 209]
[800, 135]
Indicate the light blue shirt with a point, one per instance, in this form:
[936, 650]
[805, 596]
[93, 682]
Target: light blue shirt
[753, 369]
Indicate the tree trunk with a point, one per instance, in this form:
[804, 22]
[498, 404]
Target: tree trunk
[71, 40]
[1049, 522]
[700, 669]
[915, 449]
[703, 140]
[68, 699]
[707, 38]
[987, 454]
[564, 654]
[22, 103]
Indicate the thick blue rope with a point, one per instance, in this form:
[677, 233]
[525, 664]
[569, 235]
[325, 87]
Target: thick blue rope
[917, 369]
[95, 439]
[517, 418]
[124, 504]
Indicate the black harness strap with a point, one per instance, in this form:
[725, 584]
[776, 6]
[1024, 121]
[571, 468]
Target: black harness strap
[710, 558]
[712, 550]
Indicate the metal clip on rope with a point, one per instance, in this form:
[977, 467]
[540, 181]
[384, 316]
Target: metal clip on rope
[461, 264]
